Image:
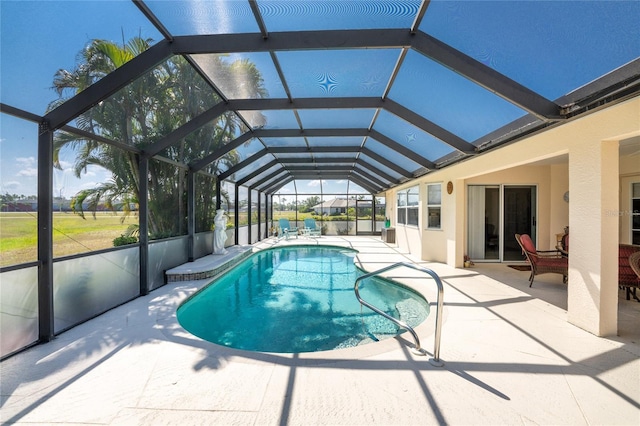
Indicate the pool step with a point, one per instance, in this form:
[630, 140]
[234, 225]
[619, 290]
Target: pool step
[208, 266]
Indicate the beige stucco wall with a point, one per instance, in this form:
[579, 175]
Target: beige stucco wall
[409, 237]
[630, 164]
[559, 209]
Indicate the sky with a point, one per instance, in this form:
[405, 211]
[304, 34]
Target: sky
[549, 46]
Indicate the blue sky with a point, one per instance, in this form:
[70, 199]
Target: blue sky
[573, 42]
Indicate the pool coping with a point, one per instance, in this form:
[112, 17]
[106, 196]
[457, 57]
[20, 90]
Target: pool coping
[208, 266]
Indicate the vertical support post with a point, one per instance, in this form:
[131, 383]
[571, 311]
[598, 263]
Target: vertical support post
[456, 251]
[237, 213]
[266, 215]
[249, 224]
[373, 214]
[592, 296]
[259, 213]
[191, 214]
[45, 233]
[143, 227]
[218, 192]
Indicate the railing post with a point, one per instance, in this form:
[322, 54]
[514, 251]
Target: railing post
[438, 331]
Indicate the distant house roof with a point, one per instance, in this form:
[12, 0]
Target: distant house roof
[335, 203]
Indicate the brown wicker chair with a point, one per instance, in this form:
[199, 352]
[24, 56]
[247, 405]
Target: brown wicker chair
[543, 261]
[564, 245]
[629, 269]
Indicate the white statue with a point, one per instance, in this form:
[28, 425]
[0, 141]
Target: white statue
[220, 232]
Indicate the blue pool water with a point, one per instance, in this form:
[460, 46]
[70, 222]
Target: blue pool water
[298, 299]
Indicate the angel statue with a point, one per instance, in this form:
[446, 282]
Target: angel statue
[220, 232]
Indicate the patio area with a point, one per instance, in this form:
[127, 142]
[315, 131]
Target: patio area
[510, 357]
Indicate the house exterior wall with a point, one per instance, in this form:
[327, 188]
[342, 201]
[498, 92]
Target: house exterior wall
[410, 237]
[436, 245]
[551, 218]
[559, 208]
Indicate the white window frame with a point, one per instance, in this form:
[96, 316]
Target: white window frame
[404, 205]
[401, 207]
[433, 204]
[634, 214]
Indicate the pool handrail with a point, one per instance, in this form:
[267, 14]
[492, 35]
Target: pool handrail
[436, 347]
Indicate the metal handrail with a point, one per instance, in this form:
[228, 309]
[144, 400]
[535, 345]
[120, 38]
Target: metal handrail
[436, 347]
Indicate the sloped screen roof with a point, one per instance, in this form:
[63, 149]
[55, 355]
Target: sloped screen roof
[377, 92]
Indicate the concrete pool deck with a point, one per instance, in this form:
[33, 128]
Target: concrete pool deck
[510, 357]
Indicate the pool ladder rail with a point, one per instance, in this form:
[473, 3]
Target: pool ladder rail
[417, 349]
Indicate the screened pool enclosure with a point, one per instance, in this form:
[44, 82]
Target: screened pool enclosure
[165, 111]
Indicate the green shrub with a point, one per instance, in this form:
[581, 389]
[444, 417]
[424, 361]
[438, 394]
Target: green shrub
[123, 240]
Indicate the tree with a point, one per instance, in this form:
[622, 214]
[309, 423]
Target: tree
[309, 203]
[140, 114]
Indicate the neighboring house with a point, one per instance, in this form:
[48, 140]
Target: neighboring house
[335, 206]
[20, 206]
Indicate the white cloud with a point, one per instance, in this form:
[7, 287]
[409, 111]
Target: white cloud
[28, 172]
[26, 161]
[314, 183]
[27, 166]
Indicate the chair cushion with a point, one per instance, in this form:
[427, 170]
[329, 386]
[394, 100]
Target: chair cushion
[527, 243]
[626, 276]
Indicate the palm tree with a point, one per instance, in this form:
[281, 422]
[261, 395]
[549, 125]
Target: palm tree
[140, 114]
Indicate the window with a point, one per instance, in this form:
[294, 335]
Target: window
[434, 204]
[635, 213]
[402, 207]
[408, 205]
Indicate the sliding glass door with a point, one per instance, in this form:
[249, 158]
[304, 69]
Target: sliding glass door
[495, 214]
[519, 218]
[484, 222]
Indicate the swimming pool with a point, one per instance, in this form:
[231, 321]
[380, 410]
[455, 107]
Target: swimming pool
[298, 299]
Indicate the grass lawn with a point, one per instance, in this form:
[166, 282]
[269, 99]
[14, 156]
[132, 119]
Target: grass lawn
[71, 234]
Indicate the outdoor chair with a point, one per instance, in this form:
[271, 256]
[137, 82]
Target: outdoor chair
[629, 269]
[286, 230]
[564, 245]
[311, 229]
[543, 261]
